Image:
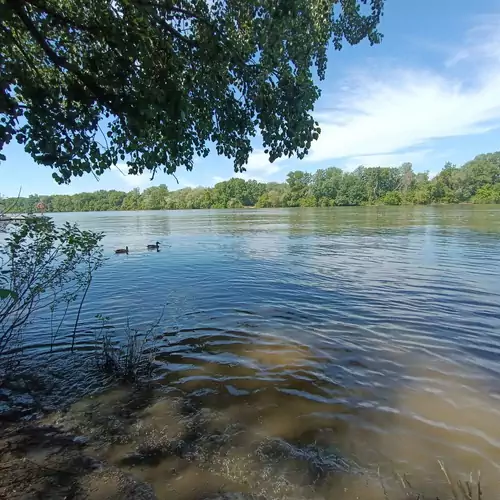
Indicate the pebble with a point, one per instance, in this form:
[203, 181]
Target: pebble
[80, 440]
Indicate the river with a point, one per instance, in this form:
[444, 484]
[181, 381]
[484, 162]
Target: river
[370, 334]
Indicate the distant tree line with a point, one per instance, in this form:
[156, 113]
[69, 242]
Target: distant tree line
[477, 181]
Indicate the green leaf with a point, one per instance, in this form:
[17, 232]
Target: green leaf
[6, 294]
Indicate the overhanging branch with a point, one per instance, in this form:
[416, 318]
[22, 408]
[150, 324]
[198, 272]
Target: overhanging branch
[56, 59]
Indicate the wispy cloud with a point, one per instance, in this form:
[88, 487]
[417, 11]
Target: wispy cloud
[386, 160]
[183, 183]
[259, 164]
[381, 114]
[133, 181]
[482, 43]
[258, 168]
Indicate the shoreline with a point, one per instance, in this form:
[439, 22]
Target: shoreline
[380, 205]
[144, 442]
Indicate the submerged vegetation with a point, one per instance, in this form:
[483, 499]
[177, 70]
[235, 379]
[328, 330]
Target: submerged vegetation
[477, 181]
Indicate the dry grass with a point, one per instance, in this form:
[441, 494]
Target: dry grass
[458, 489]
[129, 357]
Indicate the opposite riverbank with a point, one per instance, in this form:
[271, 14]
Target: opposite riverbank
[477, 181]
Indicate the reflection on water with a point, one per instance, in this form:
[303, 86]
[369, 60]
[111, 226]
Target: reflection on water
[304, 346]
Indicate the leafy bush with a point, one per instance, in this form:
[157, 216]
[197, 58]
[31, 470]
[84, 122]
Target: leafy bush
[308, 201]
[392, 198]
[488, 194]
[43, 267]
[234, 203]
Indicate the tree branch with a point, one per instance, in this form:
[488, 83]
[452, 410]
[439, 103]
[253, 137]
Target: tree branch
[192, 14]
[56, 59]
[43, 7]
[94, 29]
[164, 24]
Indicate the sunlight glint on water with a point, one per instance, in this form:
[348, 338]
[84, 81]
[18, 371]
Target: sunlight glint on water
[370, 334]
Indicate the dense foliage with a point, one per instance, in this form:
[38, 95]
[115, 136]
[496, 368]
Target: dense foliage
[477, 181]
[87, 83]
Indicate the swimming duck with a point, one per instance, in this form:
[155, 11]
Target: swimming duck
[156, 246]
[122, 250]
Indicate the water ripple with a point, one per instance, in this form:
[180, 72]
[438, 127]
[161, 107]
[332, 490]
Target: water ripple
[384, 323]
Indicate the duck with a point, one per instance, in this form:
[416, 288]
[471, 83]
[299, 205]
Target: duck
[122, 250]
[156, 246]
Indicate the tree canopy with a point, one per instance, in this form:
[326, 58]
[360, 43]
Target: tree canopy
[477, 181]
[86, 84]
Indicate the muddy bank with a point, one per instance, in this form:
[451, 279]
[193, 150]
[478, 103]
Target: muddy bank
[40, 459]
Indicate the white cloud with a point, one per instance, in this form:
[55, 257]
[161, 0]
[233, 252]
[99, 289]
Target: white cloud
[259, 164]
[133, 181]
[186, 184]
[386, 160]
[386, 112]
[216, 179]
[482, 42]
[258, 168]
[251, 177]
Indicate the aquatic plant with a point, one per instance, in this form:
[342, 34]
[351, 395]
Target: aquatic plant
[128, 357]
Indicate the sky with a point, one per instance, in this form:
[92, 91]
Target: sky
[428, 94]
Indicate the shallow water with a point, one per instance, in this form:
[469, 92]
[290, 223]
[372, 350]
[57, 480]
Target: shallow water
[349, 338]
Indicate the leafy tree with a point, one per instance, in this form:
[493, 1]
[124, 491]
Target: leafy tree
[88, 83]
[298, 186]
[488, 194]
[43, 267]
[326, 183]
[392, 198]
[132, 200]
[482, 170]
[407, 177]
[154, 197]
[352, 190]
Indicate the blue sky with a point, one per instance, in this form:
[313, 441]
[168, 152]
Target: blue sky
[430, 93]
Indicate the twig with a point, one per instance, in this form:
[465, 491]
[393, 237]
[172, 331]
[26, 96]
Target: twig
[79, 311]
[14, 203]
[386, 496]
[448, 479]
[464, 491]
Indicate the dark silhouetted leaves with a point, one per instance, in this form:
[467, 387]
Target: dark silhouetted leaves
[154, 83]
